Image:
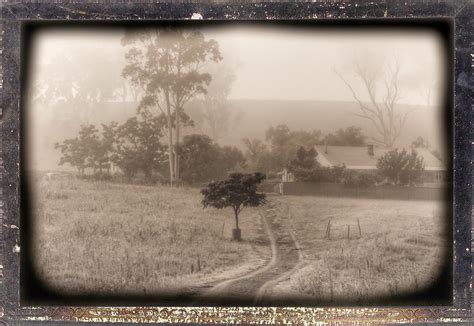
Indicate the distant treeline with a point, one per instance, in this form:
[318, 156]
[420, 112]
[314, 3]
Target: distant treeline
[137, 150]
[281, 145]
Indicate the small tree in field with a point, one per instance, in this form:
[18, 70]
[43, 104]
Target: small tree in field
[401, 167]
[237, 192]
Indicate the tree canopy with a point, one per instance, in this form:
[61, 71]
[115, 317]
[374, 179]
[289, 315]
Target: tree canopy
[280, 147]
[283, 145]
[87, 150]
[401, 167]
[138, 145]
[420, 142]
[350, 136]
[203, 160]
[237, 192]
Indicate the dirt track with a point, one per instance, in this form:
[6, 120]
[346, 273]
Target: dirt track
[255, 287]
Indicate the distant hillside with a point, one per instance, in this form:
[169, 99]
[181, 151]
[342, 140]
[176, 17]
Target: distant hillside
[257, 117]
[324, 116]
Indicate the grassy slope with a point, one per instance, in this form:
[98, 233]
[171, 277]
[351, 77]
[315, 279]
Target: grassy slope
[400, 251]
[104, 237]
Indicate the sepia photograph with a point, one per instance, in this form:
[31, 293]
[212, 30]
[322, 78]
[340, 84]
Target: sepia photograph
[238, 164]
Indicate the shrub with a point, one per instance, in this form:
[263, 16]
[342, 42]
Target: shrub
[360, 179]
[202, 160]
[320, 174]
[401, 167]
[338, 173]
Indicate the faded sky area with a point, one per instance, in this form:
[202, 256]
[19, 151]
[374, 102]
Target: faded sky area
[299, 65]
[283, 63]
[75, 78]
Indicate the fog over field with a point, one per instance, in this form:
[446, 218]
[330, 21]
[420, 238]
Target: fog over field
[277, 76]
[236, 164]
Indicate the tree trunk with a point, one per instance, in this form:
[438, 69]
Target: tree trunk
[170, 152]
[177, 108]
[236, 233]
[176, 158]
[170, 128]
[236, 219]
[170, 138]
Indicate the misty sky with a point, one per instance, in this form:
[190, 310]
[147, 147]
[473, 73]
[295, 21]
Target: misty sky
[269, 63]
[282, 63]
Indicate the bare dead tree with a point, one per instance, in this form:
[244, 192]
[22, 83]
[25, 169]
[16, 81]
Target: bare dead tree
[381, 110]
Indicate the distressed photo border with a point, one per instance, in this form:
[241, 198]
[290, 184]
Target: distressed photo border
[14, 14]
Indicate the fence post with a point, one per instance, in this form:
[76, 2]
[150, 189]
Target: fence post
[360, 232]
[329, 229]
[348, 231]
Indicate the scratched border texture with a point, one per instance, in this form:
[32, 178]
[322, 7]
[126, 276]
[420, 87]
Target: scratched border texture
[461, 13]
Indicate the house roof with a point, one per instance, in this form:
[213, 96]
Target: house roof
[357, 157]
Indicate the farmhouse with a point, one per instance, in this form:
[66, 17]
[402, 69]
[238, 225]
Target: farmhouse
[366, 157]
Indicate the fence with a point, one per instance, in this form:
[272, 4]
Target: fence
[377, 192]
[270, 186]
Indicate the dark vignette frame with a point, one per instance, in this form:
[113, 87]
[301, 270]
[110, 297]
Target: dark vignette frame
[34, 292]
[460, 12]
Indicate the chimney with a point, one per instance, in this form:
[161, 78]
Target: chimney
[370, 149]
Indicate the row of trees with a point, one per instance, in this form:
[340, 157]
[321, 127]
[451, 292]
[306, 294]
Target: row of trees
[396, 166]
[282, 144]
[169, 67]
[133, 146]
[137, 147]
[165, 69]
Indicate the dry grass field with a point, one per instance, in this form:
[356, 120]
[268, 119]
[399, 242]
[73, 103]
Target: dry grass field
[398, 251]
[104, 237]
